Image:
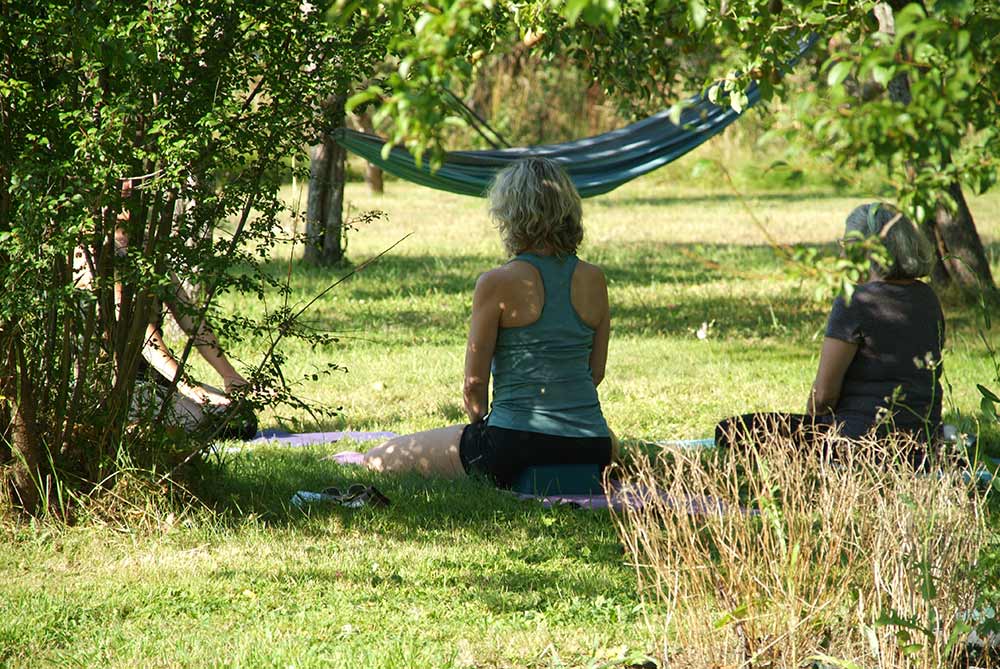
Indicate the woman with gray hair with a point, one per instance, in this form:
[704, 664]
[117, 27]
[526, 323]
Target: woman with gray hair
[540, 324]
[880, 365]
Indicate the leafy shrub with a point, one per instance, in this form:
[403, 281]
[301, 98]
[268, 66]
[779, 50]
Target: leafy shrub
[194, 105]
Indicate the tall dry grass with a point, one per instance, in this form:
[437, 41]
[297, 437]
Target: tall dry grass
[781, 557]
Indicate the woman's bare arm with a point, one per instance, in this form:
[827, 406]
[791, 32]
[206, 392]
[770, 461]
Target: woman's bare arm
[158, 356]
[834, 359]
[602, 333]
[204, 339]
[485, 322]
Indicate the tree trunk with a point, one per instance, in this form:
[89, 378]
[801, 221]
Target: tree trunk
[373, 173]
[26, 449]
[960, 249]
[325, 207]
[961, 256]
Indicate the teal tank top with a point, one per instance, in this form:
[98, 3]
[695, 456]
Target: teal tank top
[542, 380]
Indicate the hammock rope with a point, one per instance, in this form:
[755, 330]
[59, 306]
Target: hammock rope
[596, 164]
[477, 122]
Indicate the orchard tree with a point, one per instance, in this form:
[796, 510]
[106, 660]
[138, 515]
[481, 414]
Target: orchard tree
[907, 88]
[364, 41]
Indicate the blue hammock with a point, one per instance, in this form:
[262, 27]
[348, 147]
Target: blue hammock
[596, 164]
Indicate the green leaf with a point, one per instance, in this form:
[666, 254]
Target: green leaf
[738, 100]
[927, 587]
[987, 393]
[713, 93]
[958, 8]
[882, 75]
[962, 41]
[675, 112]
[573, 9]
[387, 149]
[838, 72]
[733, 616]
[365, 96]
[698, 12]
[988, 408]
[894, 619]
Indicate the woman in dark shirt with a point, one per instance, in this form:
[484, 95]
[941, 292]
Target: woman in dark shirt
[880, 365]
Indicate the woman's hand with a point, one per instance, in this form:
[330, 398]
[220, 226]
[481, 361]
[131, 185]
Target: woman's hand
[234, 381]
[483, 327]
[202, 394]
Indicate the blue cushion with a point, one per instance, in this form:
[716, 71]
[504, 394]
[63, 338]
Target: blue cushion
[560, 480]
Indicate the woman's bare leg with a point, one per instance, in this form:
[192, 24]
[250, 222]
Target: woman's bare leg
[432, 453]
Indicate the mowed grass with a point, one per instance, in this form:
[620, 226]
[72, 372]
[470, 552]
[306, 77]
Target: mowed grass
[453, 574]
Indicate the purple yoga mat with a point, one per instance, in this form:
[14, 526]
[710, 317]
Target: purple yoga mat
[630, 497]
[310, 438]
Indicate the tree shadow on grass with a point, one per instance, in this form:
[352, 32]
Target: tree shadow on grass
[387, 297]
[415, 276]
[502, 587]
[262, 482]
[529, 550]
[781, 315]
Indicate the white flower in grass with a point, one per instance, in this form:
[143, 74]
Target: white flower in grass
[307, 8]
[704, 330]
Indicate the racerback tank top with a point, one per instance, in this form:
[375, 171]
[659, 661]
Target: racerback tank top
[542, 381]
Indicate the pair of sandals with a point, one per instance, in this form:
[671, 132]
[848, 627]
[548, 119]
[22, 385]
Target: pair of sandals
[354, 496]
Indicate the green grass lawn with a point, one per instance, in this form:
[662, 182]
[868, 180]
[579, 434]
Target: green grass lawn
[452, 575]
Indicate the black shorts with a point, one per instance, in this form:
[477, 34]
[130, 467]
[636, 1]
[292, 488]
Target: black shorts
[501, 455]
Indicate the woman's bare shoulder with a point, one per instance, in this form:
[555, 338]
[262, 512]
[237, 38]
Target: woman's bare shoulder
[515, 270]
[505, 275]
[591, 273]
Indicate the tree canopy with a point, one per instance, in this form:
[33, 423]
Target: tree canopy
[942, 135]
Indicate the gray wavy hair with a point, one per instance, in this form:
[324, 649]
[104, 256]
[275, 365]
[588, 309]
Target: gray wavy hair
[913, 256]
[535, 205]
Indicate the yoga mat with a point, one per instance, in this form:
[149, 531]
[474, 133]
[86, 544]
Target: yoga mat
[683, 443]
[309, 438]
[301, 439]
[621, 498]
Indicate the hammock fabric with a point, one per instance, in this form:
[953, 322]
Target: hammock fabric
[596, 164]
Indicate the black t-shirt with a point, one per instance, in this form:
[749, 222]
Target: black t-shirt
[899, 329]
